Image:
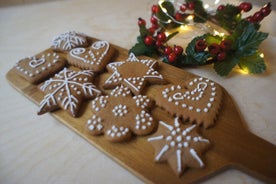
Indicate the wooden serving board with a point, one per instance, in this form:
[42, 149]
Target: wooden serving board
[233, 146]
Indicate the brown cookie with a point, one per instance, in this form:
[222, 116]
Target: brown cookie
[134, 73]
[69, 40]
[67, 90]
[41, 66]
[119, 115]
[197, 100]
[180, 145]
[93, 58]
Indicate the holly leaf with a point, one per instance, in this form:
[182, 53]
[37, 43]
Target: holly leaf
[253, 64]
[193, 57]
[223, 68]
[163, 16]
[248, 42]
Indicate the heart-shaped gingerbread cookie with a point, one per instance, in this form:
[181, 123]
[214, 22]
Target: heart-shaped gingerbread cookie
[92, 58]
[198, 100]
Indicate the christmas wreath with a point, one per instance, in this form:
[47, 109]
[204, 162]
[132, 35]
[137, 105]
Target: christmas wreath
[225, 51]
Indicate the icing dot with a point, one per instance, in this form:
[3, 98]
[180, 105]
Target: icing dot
[185, 144]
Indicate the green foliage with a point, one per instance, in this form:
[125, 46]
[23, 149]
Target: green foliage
[253, 64]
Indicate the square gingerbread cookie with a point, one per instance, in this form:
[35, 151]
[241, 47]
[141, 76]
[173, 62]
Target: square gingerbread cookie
[41, 66]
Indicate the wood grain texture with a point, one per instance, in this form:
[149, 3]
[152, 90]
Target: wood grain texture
[233, 146]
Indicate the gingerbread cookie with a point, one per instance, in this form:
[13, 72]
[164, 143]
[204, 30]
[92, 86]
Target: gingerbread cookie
[67, 90]
[68, 41]
[180, 145]
[134, 73]
[93, 58]
[39, 67]
[119, 115]
[197, 100]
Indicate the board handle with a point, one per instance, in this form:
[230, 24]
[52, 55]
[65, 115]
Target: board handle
[256, 157]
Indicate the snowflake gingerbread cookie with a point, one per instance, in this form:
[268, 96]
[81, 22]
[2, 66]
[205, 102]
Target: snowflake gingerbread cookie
[198, 100]
[180, 145]
[39, 67]
[134, 73]
[68, 41]
[93, 58]
[119, 115]
[67, 90]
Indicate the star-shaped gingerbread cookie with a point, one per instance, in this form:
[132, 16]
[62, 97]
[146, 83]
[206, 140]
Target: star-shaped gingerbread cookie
[67, 90]
[119, 115]
[179, 144]
[134, 73]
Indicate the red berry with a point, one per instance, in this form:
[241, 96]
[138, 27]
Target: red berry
[265, 11]
[153, 20]
[245, 6]
[183, 7]
[220, 7]
[161, 37]
[178, 16]
[226, 45]
[158, 43]
[177, 50]
[221, 56]
[155, 9]
[214, 48]
[200, 45]
[149, 40]
[191, 5]
[250, 19]
[172, 57]
[141, 22]
[151, 30]
[258, 16]
[168, 50]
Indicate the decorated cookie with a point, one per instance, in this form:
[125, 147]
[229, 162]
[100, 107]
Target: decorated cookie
[197, 101]
[67, 90]
[68, 41]
[180, 145]
[93, 58]
[133, 73]
[41, 66]
[119, 115]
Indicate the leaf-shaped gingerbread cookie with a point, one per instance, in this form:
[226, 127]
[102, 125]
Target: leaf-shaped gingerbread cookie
[198, 100]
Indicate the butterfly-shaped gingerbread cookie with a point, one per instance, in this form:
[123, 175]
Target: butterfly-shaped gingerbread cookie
[198, 100]
[134, 73]
[93, 58]
[120, 115]
[67, 90]
[41, 66]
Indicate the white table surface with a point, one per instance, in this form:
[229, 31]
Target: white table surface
[39, 149]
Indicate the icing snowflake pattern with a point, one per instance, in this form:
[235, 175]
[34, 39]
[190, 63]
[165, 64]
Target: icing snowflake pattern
[67, 89]
[199, 100]
[119, 115]
[68, 40]
[180, 145]
[133, 73]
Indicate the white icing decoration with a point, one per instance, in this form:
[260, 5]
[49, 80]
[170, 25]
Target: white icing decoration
[36, 62]
[120, 110]
[68, 40]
